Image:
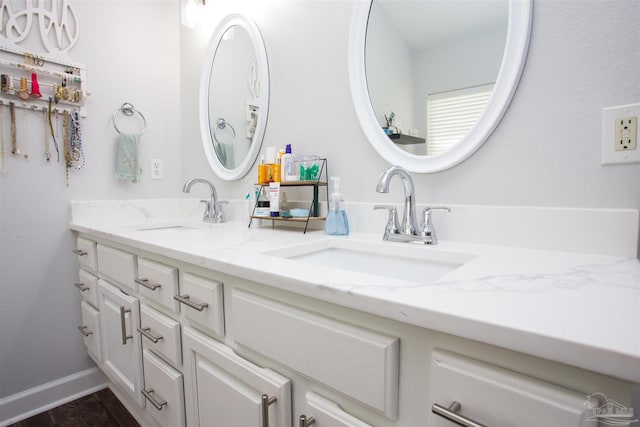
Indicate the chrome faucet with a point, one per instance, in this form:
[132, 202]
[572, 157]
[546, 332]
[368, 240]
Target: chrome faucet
[213, 208]
[407, 230]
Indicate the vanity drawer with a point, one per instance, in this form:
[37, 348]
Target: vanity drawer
[203, 302]
[327, 414]
[119, 266]
[497, 397]
[88, 287]
[358, 362]
[161, 333]
[90, 328]
[86, 252]
[158, 283]
[163, 390]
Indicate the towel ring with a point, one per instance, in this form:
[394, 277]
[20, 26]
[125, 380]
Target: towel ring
[221, 124]
[128, 109]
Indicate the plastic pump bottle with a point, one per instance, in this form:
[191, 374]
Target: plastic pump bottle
[337, 223]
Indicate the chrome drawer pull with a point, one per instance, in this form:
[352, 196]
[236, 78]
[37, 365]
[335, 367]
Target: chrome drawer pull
[158, 405]
[146, 332]
[451, 414]
[185, 300]
[266, 402]
[84, 330]
[79, 252]
[81, 286]
[146, 284]
[123, 326]
[306, 422]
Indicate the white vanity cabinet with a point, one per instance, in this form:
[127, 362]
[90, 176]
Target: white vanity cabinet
[122, 352]
[207, 349]
[223, 389]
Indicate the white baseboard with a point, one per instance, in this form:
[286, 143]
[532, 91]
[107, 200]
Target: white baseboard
[38, 399]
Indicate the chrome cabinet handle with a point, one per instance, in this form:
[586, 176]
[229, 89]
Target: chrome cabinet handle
[266, 402]
[146, 332]
[146, 284]
[306, 421]
[157, 404]
[123, 326]
[81, 286]
[79, 252]
[185, 300]
[451, 414]
[84, 330]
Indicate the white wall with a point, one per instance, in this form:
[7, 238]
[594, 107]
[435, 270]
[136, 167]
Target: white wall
[546, 152]
[131, 50]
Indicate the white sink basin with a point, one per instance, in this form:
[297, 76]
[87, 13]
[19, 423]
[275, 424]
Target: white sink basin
[395, 260]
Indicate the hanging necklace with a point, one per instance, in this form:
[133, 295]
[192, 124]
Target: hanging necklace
[75, 143]
[25, 138]
[47, 147]
[14, 140]
[66, 144]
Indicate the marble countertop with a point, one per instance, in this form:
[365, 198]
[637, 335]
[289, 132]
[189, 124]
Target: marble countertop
[573, 308]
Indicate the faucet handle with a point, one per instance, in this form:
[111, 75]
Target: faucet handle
[428, 231]
[218, 213]
[207, 208]
[392, 226]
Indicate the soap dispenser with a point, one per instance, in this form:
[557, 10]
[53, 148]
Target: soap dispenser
[337, 223]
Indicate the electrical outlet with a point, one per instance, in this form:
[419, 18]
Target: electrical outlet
[156, 168]
[626, 133]
[620, 134]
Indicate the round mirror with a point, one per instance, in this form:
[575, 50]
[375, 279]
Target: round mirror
[234, 97]
[431, 79]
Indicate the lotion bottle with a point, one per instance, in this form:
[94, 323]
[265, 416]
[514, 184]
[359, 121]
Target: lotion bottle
[337, 223]
[288, 172]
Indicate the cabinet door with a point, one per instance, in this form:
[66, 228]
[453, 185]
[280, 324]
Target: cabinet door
[326, 413]
[122, 353]
[222, 389]
[163, 389]
[90, 329]
[497, 397]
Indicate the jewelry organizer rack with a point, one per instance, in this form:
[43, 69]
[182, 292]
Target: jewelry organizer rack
[30, 81]
[314, 207]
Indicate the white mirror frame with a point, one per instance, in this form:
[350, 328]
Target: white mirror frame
[515, 53]
[263, 98]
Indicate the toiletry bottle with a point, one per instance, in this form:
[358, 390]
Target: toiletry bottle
[274, 199]
[263, 171]
[337, 223]
[288, 167]
[284, 205]
[262, 205]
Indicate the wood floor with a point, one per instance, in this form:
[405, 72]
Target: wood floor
[98, 409]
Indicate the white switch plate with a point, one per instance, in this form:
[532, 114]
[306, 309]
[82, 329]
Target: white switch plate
[156, 169]
[611, 135]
